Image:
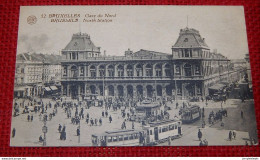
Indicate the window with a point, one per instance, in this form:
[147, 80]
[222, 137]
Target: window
[149, 71]
[126, 137]
[186, 40]
[160, 130]
[171, 127]
[114, 139]
[151, 132]
[109, 139]
[120, 138]
[197, 69]
[82, 71]
[177, 70]
[131, 136]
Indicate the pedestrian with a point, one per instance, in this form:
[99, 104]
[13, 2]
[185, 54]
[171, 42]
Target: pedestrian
[100, 122]
[40, 139]
[230, 135]
[201, 144]
[234, 134]
[133, 125]
[91, 122]
[106, 113]
[95, 121]
[242, 115]
[28, 118]
[13, 132]
[87, 120]
[64, 128]
[103, 114]
[78, 132]
[110, 119]
[246, 143]
[31, 118]
[199, 134]
[59, 128]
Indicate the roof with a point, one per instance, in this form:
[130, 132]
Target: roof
[81, 42]
[39, 57]
[147, 105]
[217, 86]
[118, 132]
[190, 38]
[157, 123]
[146, 53]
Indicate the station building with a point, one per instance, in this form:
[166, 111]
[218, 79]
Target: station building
[188, 71]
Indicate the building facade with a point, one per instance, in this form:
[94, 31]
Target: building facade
[28, 76]
[187, 72]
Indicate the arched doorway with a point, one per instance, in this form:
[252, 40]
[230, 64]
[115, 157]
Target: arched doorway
[169, 90]
[187, 70]
[120, 91]
[130, 91]
[101, 92]
[149, 89]
[139, 89]
[110, 90]
[159, 90]
[74, 91]
[92, 89]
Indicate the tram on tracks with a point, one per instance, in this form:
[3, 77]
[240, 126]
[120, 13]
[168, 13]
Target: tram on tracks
[191, 114]
[152, 134]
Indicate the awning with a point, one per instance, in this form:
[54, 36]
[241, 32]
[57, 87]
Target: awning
[217, 87]
[53, 88]
[47, 88]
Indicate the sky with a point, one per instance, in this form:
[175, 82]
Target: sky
[154, 28]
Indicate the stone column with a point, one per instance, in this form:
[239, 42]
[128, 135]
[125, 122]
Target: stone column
[79, 90]
[163, 91]
[68, 90]
[182, 90]
[134, 69]
[163, 71]
[115, 90]
[144, 91]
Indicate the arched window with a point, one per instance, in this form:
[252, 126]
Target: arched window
[120, 71]
[158, 70]
[177, 70]
[82, 71]
[129, 70]
[149, 70]
[197, 69]
[187, 70]
[111, 71]
[93, 72]
[139, 70]
[102, 71]
[74, 72]
[167, 69]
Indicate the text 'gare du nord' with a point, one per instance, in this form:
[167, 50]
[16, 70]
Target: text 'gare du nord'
[188, 72]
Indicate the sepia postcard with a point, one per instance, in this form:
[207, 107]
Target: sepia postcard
[132, 76]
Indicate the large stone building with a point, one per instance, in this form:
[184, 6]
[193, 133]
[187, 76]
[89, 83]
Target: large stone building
[188, 72]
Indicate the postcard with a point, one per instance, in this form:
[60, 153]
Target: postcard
[132, 76]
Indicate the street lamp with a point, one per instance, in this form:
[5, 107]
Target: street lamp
[44, 130]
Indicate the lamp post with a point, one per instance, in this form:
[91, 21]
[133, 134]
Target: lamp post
[44, 130]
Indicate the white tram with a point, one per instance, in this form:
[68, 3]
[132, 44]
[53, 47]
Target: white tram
[161, 131]
[119, 138]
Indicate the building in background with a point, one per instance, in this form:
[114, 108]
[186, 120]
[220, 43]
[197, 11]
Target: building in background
[190, 71]
[28, 76]
[36, 73]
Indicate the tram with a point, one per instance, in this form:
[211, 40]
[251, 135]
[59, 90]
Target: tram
[191, 114]
[119, 138]
[159, 131]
